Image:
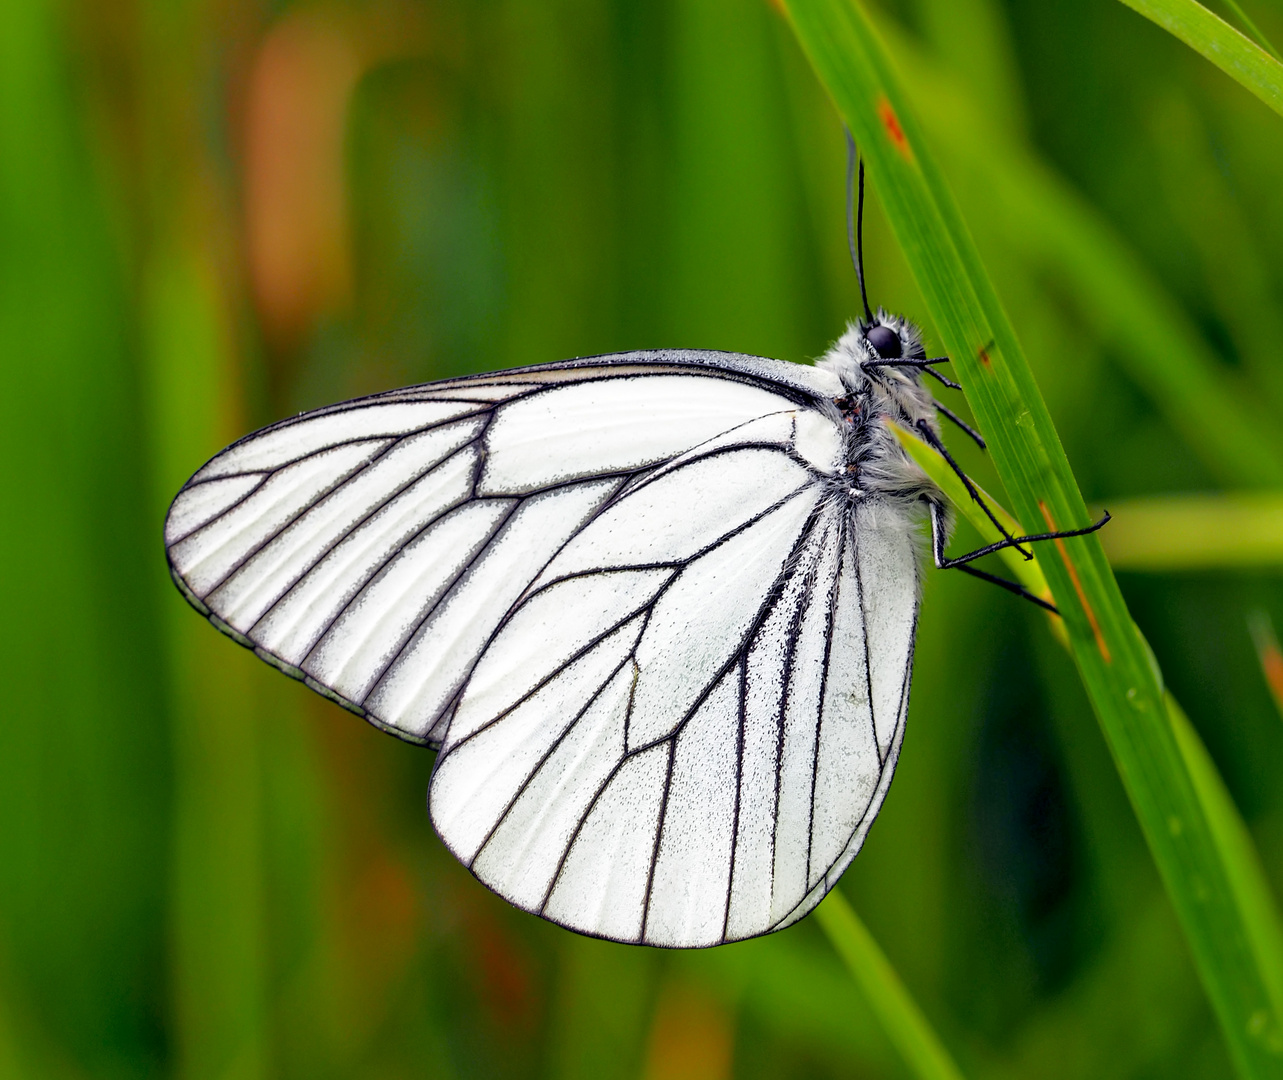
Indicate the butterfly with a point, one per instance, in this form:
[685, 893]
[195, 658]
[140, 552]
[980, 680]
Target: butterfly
[654, 610]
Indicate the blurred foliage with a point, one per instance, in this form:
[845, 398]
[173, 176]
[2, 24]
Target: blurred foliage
[216, 212]
[1197, 531]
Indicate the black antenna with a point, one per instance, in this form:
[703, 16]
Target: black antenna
[855, 219]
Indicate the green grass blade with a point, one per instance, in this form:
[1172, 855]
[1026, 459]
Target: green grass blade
[1254, 31]
[1154, 339]
[1196, 532]
[1242, 863]
[1247, 877]
[1114, 662]
[1242, 59]
[898, 1013]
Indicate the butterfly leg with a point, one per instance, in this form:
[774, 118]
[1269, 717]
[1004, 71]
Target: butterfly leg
[943, 562]
[1016, 540]
[966, 428]
[929, 436]
[939, 534]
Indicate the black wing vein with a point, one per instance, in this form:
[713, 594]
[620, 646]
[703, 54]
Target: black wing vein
[834, 583]
[659, 834]
[742, 718]
[374, 510]
[543, 758]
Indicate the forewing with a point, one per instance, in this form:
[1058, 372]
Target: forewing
[371, 549]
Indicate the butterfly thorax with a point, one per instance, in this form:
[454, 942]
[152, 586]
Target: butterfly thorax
[877, 391]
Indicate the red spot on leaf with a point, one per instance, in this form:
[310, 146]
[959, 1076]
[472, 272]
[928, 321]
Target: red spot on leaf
[1272, 665]
[1267, 649]
[894, 131]
[1078, 585]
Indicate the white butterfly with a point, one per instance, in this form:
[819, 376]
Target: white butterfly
[655, 609]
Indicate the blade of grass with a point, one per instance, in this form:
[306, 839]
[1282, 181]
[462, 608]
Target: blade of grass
[1027, 572]
[1114, 662]
[1242, 59]
[902, 1020]
[1194, 532]
[1253, 31]
[1153, 339]
[1242, 864]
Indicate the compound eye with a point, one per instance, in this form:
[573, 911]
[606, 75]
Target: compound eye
[885, 340]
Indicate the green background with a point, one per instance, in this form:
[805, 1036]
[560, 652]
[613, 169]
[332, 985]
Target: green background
[215, 214]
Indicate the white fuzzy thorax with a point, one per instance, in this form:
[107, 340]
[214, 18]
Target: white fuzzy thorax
[885, 475]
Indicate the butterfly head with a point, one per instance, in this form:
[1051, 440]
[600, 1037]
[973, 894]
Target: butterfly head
[869, 349]
[865, 358]
[886, 342]
[885, 337]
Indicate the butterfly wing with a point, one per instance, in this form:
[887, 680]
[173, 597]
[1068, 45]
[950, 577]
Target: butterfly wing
[371, 548]
[619, 592]
[683, 730]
